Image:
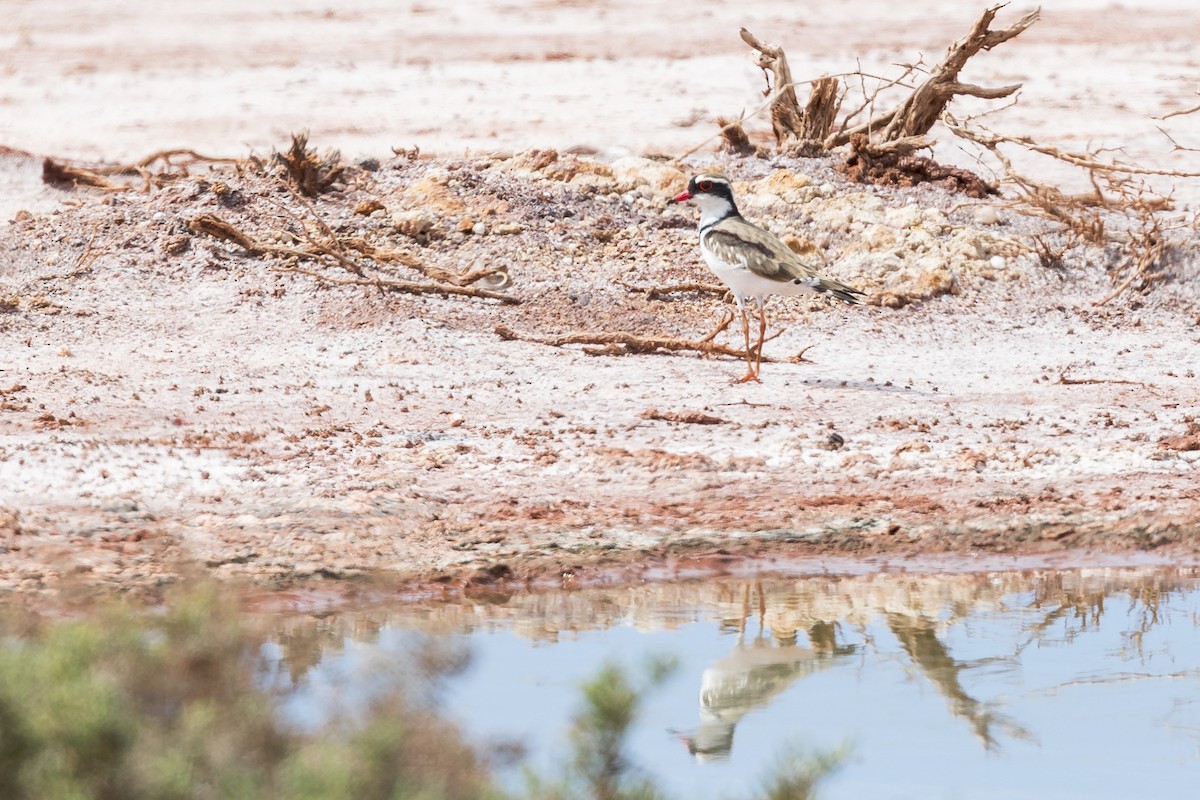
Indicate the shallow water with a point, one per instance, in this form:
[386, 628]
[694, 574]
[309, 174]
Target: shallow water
[1008, 684]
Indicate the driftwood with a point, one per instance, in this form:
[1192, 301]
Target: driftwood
[795, 127]
[918, 113]
[622, 343]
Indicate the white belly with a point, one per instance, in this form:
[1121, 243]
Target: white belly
[746, 284]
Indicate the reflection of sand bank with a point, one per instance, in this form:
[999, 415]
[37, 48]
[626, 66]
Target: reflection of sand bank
[786, 629]
[788, 606]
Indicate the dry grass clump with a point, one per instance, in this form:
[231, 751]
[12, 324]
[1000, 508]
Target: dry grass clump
[311, 174]
[1121, 216]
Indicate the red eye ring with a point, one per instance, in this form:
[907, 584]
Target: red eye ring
[704, 186]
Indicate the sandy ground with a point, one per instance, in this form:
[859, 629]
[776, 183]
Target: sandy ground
[177, 400]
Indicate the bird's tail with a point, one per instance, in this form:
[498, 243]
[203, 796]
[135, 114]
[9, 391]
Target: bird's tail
[839, 290]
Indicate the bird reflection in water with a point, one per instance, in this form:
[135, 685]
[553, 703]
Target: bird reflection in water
[763, 666]
[756, 672]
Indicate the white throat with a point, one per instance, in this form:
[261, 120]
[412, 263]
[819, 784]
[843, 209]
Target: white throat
[712, 208]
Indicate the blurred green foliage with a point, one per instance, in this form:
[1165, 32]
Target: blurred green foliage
[125, 704]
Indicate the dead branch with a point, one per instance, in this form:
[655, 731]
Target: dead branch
[335, 247]
[218, 228]
[390, 255]
[924, 107]
[1147, 252]
[167, 155]
[722, 325]
[1182, 112]
[1176, 145]
[55, 173]
[620, 343]
[1144, 243]
[658, 292]
[786, 116]
[918, 112]
[823, 103]
[408, 287]
[682, 156]
[789, 123]
[869, 102]
[686, 417]
[1088, 161]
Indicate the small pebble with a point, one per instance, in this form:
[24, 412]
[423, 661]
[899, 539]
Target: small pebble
[986, 215]
[998, 262]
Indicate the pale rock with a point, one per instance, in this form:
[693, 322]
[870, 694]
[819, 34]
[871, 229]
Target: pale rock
[414, 224]
[634, 171]
[904, 216]
[934, 217]
[986, 215]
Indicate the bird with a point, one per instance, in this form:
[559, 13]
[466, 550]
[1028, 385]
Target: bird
[753, 262]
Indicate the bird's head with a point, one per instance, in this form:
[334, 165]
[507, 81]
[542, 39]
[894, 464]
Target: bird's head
[712, 193]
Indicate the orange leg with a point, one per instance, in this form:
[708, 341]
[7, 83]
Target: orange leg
[762, 337]
[751, 373]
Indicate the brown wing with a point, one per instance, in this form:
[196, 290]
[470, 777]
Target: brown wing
[765, 254]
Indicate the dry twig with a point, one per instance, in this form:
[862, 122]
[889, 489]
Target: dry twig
[54, 172]
[1088, 161]
[1142, 238]
[620, 343]
[659, 292]
[686, 417]
[318, 250]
